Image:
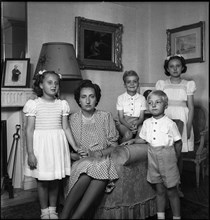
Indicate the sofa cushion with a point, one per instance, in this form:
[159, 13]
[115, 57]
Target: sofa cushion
[136, 152]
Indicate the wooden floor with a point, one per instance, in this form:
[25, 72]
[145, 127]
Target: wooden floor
[190, 191]
[20, 197]
[198, 195]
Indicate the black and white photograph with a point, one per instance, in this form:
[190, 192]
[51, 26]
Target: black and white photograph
[16, 72]
[105, 110]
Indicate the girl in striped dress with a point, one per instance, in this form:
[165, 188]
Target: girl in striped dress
[47, 137]
[95, 134]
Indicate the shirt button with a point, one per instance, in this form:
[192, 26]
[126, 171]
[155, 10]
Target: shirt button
[154, 138]
[154, 130]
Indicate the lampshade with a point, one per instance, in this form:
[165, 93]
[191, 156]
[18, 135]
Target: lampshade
[59, 57]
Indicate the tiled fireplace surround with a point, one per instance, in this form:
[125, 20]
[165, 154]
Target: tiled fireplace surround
[12, 102]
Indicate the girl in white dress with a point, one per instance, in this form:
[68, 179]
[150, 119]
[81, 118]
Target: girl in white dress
[47, 137]
[180, 93]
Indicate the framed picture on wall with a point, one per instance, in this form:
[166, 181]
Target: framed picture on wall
[98, 44]
[16, 73]
[188, 41]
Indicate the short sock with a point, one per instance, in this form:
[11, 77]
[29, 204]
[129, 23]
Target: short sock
[45, 211]
[176, 217]
[51, 208]
[161, 215]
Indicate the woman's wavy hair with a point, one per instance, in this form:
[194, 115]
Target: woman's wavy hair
[39, 79]
[87, 84]
[179, 57]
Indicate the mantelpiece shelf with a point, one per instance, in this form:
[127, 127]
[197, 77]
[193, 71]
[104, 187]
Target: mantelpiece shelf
[15, 97]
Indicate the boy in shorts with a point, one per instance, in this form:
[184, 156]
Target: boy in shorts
[164, 148]
[130, 108]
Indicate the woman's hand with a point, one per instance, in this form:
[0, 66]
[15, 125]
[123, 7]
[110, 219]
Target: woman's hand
[32, 161]
[82, 153]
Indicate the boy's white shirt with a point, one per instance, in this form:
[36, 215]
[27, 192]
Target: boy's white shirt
[131, 105]
[160, 132]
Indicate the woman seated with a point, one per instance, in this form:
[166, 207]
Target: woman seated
[93, 171]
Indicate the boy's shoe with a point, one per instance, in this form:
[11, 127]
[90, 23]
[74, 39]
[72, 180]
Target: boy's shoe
[53, 215]
[45, 216]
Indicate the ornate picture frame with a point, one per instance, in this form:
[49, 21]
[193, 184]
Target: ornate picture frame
[187, 40]
[16, 73]
[98, 44]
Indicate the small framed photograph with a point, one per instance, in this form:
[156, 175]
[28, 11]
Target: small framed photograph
[98, 44]
[188, 41]
[16, 73]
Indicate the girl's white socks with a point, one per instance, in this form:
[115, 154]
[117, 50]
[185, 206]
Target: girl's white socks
[45, 211]
[176, 217]
[52, 209]
[161, 215]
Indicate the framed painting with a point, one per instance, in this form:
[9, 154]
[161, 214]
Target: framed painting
[98, 44]
[188, 41]
[16, 73]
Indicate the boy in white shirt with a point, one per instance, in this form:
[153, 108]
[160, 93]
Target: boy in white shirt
[130, 107]
[164, 149]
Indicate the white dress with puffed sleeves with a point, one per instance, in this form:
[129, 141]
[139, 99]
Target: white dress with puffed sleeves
[177, 108]
[50, 144]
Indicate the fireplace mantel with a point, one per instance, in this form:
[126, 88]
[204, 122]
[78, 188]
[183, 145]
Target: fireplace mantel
[15, 97]
[12, 102]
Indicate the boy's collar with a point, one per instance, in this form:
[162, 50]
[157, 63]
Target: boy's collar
[134, 96]
[157, 119]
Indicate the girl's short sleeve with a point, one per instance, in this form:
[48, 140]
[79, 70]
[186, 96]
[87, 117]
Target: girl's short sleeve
[65, 108]
[30, 108]
[159, 85]
[191, 87]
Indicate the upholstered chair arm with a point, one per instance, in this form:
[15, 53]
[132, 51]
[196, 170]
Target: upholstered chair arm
[129, 154]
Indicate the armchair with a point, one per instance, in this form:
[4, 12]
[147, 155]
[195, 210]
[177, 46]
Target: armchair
[200, 154]
[133, 197]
